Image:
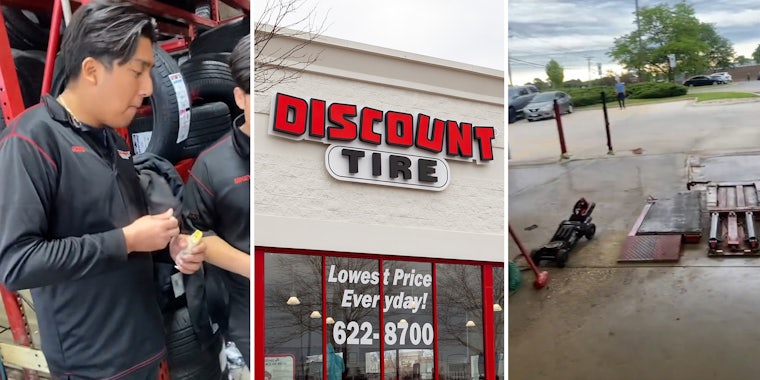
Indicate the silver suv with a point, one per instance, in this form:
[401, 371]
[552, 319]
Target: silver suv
[519, 97]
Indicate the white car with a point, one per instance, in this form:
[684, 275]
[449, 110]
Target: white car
[723, 77]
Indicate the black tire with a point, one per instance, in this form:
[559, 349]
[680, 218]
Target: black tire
[30, 68]
[570, 108]
[166, 114]
[27, 30]
[221, 39]
[187, 5]
[209, 79]
[187, 358]
[208, 124]
[590, 231]
[561, 259]
[512, 115]
[534, 255]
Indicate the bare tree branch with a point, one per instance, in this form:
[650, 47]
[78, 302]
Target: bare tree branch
[283, 65]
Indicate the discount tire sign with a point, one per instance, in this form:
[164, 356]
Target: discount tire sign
[390, 148]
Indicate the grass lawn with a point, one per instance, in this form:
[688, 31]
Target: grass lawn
[700, 97]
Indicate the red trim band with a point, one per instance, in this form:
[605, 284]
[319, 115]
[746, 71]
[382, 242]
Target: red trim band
[203, 185]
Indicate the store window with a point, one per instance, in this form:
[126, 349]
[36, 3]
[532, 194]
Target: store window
[460, 321]
[361, 317]
[498, 320]
[408, 319]
[353, 302]
[293, 316]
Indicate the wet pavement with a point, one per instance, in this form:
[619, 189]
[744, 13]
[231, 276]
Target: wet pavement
[599, 319]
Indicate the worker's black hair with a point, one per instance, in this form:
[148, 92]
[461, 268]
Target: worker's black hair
[106, 30]
[240, 64]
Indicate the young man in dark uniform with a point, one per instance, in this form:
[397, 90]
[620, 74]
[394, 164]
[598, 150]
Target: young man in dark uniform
[74, 226]
[217, 201]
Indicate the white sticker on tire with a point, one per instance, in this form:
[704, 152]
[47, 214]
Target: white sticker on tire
[140, 141]
[183, 106]
[178, 284]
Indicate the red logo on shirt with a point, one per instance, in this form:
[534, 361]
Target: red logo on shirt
[125, 154]
[78, 149]
[242, 179]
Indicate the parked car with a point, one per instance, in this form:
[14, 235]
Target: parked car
[519, 96]
[542, 105]
[723, 77]
[700, 80]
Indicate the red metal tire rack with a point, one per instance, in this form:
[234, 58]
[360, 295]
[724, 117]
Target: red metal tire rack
[179, 26]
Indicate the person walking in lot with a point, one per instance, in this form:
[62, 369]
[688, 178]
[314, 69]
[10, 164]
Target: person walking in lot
[216, 201]
[74, 227]
[621, 95]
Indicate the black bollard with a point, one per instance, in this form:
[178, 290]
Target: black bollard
[607, 125]
[558, 118]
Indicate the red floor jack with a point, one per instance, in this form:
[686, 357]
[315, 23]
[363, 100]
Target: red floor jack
[542, 278]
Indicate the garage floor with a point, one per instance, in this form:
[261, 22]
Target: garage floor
[597, 319]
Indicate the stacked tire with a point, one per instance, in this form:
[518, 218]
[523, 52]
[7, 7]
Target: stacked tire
[28, 35]
[187, 358]
[210, 84]
[30, 66]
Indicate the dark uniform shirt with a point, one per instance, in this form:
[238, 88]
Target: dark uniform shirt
[216, 200]
[67, 190]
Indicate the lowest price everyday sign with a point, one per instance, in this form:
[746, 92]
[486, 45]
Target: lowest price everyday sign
[396, 301]
[400, 332]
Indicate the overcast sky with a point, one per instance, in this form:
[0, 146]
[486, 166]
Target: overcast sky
[571, 30]
[471, 31]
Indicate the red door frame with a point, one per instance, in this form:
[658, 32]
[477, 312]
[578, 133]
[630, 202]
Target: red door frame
[489, 343]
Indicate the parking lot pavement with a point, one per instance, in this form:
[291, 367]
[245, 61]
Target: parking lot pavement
[672, 127]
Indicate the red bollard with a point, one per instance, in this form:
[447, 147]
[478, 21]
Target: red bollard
[542, 278]
[560, 131]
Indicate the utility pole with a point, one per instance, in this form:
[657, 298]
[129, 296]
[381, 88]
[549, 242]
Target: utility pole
[638, 32]
[589, 67]
[509, 63]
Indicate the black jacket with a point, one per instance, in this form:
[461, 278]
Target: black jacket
[217, 201]
[217, 196]
[67, 191]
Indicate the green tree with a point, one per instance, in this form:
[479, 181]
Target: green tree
[540, 84]
[672, 30]
[756, 54]
[741, 60]
[556, 73]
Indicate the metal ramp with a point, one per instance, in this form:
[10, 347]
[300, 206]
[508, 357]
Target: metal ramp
[662, 226]
[732, 206]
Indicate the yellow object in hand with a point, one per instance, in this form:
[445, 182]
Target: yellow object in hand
[192, 241]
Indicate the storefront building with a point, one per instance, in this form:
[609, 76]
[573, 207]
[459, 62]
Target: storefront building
[379, 218]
